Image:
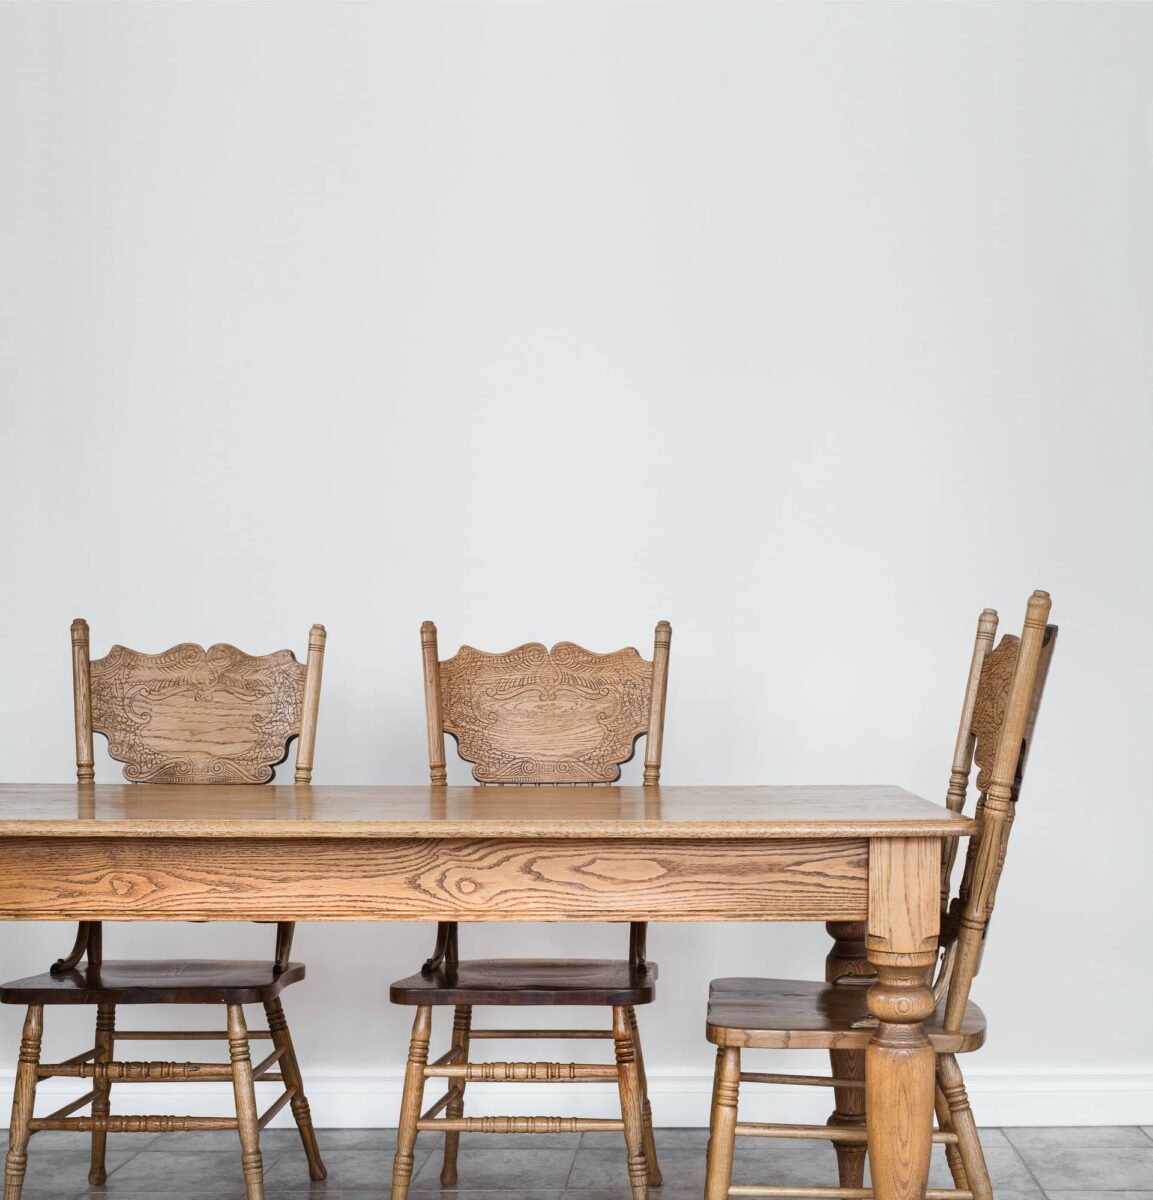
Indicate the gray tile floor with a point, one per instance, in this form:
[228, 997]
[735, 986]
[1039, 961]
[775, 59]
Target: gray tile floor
[1026, 1164]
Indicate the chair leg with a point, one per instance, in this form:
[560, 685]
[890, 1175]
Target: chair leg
[23, 1099]
[849, 1114]
[245, 1092]
[961, 1117]
[461, 1025]
[952, 1152]
[290, 1069]
[411, 1101]
[655, 1177]
[101, 1106]
[632, 1106]
[723, 1123]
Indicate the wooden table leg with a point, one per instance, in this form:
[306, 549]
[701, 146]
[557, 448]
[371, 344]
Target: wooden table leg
[847, 958]
[904, 916]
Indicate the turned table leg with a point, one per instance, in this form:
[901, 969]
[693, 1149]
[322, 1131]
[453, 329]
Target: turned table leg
[900, 1079]
[847, 959]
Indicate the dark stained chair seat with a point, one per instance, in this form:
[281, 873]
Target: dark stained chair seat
[777, 1014]
[171, 981]
[530, 981]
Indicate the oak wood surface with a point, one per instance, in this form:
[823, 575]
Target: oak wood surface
[445, 879]
[156, 981]
[530, 981]
[531, 715]
[794, 1014]
[190, 715]
[121, 811]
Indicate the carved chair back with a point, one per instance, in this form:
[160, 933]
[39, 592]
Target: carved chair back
[190, 715]
[1001, 704]
[538, 716]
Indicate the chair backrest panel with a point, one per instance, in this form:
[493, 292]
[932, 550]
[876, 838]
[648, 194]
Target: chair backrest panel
[992, 700]
[1012, 681]
[539, 716]
[190, 715]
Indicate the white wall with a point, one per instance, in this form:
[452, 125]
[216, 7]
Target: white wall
[813, 329]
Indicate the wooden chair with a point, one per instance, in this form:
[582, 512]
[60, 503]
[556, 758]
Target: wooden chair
[1001, 701]
[185, 716]
[534, 717]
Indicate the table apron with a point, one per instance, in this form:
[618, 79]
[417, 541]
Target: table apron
[425, 879]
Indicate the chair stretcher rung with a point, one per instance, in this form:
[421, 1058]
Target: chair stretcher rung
[523, 1072]
[433, 1109]
[260, 1071]
[801, 1080]
[837, 1193]
[275, 1106]
[138, 1072]
[822, 1133]
[521, 1125]
[447, 1058]
[132, 1124]
[182, 1035]
[77, 1058]
[542, 1034]
[87, 1098]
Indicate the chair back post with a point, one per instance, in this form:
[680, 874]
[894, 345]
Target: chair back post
[310, 709]
[987, 849]
[82, 701]
[654, 739]
[433, 712]
[963, 751]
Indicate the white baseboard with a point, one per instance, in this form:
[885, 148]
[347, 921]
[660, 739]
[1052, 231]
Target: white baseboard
[371, 1099]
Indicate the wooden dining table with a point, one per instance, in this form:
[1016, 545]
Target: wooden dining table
[871, 854]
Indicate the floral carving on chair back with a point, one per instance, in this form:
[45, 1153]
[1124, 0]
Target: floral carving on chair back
[191, 715]
[534, 715]
[989, 711]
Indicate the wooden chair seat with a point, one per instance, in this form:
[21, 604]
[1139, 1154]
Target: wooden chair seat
[530, 981]
[165, 981]
[795, 1014]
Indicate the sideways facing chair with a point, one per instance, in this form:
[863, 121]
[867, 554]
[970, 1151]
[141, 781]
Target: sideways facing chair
[185, 716]
[535, 717]
[1001, 702]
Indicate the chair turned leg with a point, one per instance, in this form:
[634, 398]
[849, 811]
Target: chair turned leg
[632, 1106]
[290, 1069]
[961, 1117]
[23, 1098]
[723, 1124]
[461, 1024]
[411, 1102]
[952, 1152]
[245, 1092]
[101, 1105]
[655, 1177]
[849, 1114]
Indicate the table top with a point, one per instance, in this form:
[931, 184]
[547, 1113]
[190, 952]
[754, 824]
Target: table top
[426, 811]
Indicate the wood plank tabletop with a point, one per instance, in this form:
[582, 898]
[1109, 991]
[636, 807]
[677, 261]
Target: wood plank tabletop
[426, 811]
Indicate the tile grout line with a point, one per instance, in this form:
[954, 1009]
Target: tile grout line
[1025, 1163]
